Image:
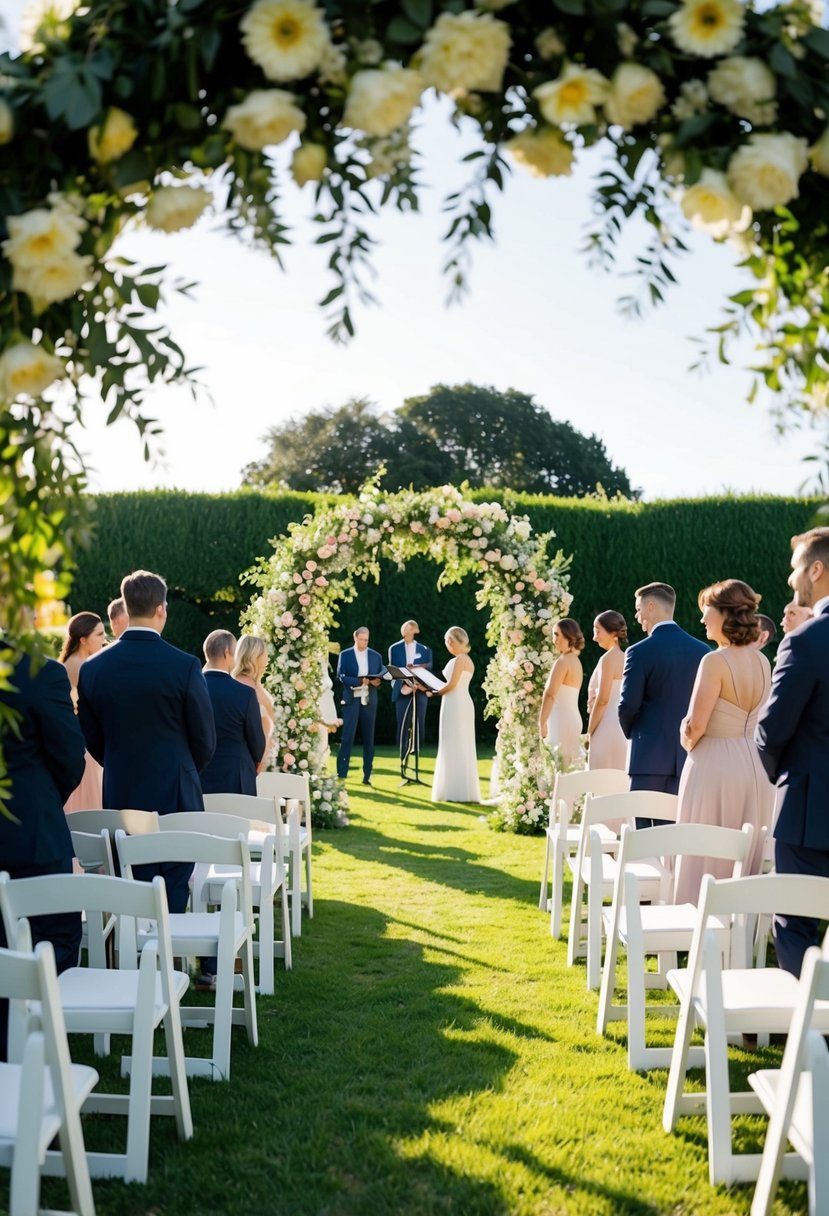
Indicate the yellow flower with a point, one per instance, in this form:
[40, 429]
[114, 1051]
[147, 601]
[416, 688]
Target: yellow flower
[764, 173]
[464, 51]
[27, 371]
[172, 208]
[819, 154]
[707, 27]
[381, 99]
[308, 163]
[6, 122]
[287, 38]
[51, 281]
[635, 96]
[264, 118]
[711, 205]
[544, 152]
[572, 97]
[40, 237]
[113, 137]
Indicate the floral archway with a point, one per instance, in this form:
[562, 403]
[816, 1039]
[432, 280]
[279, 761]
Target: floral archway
[317, 567]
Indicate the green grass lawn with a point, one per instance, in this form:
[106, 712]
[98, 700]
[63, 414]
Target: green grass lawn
[430, 1053]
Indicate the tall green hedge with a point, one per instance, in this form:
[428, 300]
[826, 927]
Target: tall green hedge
[201, 543]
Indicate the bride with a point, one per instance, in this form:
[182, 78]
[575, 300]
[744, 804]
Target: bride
[456, 768]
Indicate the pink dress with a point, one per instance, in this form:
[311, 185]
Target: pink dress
[88, 796]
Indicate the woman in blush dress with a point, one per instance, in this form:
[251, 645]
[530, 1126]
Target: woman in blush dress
[249, 667]
[85, 636]
[456, 767]
[723, 781]
[559, 721]
[607, 745]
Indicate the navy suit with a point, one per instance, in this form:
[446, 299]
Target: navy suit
[657, 683]
[403, 703]
[353, 712]
[45, 762]
[147, 717]
[240, 739]
[793, 741]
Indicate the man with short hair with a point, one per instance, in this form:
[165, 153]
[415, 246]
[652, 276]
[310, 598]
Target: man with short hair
[360, 671]
[657, 681]
[118, 619]
[146, 714]
[412, 654]
[793, 740]
[240, 739]
[794, 615]
[768, 632]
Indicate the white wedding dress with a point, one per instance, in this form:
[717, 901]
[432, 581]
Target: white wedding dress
[456, 768]
[564, 726]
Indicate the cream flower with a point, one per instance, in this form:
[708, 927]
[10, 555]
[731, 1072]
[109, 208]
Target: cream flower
[635, 95]
[264, 118]
[819, 154]
[27, 371]
[626, 40]
[333, 67]
[572, 97]
[113, 137]
[692, 99]
[6, 122]
[52, 281]
[43, 21]
[172, 208]
[544, 152]
[464, 51]
[746, 87]
[711, 205]
[308, 163]
[549, 44]
[40, 237]
[707, 27]
[381, 99]
[287, 38]
[764, 172]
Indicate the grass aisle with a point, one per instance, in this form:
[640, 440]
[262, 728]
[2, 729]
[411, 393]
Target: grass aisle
[430, 1053]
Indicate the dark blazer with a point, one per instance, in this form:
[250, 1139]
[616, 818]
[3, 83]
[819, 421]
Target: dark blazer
[657, 682]
[348, 677]
[397, 656]
[146, 714]
[793, 734]
[45, 763]
[240, 739]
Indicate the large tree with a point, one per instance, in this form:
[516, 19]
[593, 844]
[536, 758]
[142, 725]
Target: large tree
[455, 433]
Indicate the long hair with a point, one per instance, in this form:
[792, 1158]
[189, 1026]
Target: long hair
[248, 650]
[78, 627]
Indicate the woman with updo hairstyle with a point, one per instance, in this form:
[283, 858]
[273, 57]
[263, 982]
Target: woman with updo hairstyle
[456, 767]
[559, 720]
[85, 637]
[607, 744]
[723, 781]
[250, 662]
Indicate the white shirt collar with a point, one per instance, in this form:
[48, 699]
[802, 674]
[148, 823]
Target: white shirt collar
[820, 605]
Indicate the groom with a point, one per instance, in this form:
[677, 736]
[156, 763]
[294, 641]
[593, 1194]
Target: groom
[412, 654]
[657, 682]
[360, 671]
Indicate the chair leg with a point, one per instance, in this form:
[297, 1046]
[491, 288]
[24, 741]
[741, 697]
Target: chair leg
[296, 894]
[557, 888]
[265, 943]
[309, 892]
[608, 985]
[679, 1066]
[223, 1012]
[250, 993]
[637, 1050]
[174, 1042]
[24, 1190]
[286, 929]
[574, 946]
[543, 895]
[594, 935]
[141, 1073]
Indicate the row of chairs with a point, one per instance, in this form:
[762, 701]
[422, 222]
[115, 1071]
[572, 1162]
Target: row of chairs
[725, 990]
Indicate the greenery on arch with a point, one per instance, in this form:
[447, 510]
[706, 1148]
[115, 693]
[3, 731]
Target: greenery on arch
[317, 566]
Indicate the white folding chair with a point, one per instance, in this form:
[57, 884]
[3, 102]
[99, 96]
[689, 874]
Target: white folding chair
[226, 934]
[796, 1098]
[125, 1001]
[267, 879]
[660, 928]
[294, 789]
[595, 872]
[133, 822]
[739, 999]
[41, 1091]
[563, 837]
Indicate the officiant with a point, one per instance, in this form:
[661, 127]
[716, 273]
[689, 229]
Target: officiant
[412, 654]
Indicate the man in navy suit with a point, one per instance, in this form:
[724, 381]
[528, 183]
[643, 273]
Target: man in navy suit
[240, 739]
[412, 654]
[360, 671]
[793, 740]
[657, 682]
[147, 718]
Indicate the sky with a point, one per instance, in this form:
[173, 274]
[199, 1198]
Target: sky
[537, 319]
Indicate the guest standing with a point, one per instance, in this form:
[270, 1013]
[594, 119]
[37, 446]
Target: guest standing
[118, 619]
[250, 665]
[657, 681]
[795, 615]
[240, 739]
[85, 637]
[723, 782]
[328, 721]
[360, 671]
[413, 654]
[607, 745]
[559, 720]
[793, 738]
[456, 767]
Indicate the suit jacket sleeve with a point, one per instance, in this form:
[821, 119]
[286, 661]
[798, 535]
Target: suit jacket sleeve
[792, 686]
[63, 741]
[199, 720]
[254, 734]
[349, 681]
[632, 691]
[88, 718]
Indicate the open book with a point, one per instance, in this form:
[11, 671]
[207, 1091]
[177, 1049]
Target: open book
[422, 675]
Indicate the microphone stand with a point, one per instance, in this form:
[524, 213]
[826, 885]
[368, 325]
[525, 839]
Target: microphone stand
[413, 742]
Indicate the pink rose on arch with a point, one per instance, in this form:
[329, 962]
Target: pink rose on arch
[325, 551]
[303, 764]
[515, 599]
[292, 724]
[519, 586]
[297, 578]
[305, 600]
[516, 637]
[286, 619]
[330, 540]
[417, 526]
[295, 633]
[528, 686]
[540, 585]
[476, 531]
[528, 667]
[305, 665]
[342, 538]
[321, 580]
[311, 566]
[453, 515]
[288, 760]
[442, 522]
[303, 704]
